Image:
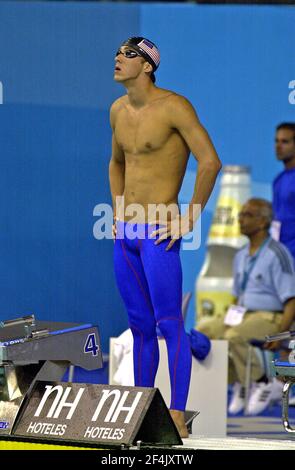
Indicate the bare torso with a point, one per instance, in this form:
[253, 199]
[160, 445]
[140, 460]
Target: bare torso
[155, 154]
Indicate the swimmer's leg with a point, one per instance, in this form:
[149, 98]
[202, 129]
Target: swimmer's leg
[164, 276]
[134, 290]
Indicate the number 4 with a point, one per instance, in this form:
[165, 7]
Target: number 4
[91, 345]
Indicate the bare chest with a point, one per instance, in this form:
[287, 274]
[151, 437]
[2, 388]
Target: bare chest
[142, 132]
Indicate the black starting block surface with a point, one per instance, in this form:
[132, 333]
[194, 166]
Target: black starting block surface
[17, 331]
[78, 344]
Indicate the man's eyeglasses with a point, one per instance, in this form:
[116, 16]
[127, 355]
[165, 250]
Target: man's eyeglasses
[129, 53]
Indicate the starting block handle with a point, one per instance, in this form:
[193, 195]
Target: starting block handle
[27, 320]
[280, 336]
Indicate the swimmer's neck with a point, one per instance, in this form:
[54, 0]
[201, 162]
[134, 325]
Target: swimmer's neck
[140, 93]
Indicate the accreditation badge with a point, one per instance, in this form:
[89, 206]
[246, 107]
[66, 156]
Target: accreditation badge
[234, 315]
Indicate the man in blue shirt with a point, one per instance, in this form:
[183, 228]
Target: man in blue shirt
[284, 185]
[284, 197]
[264, 287]
[264, 284]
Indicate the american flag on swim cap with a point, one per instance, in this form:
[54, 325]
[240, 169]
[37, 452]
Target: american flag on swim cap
[151, 50]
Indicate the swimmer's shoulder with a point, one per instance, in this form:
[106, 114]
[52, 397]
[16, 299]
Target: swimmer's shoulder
[116, 107]
[176, 99]
[118, 104]
[175, 104]
[173, 100]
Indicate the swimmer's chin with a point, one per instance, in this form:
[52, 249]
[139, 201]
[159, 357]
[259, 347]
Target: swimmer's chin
[118, 78]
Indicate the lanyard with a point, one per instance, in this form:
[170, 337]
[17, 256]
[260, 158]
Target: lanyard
[251, 265]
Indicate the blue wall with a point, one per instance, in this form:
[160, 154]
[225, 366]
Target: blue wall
[233, 63]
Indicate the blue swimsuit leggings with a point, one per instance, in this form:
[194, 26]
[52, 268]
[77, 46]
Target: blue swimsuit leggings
[150, 282]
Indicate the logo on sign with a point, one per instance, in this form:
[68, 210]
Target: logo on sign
[107, 413]
[4, 424]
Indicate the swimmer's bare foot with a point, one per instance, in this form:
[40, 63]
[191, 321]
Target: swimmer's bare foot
[178, 418]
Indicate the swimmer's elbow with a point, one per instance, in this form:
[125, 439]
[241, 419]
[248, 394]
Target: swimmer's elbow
[218, 165]
[213, 165]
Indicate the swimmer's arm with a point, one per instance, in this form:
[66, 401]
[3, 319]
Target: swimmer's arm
[117, 163]
[185, 120]
[116, 172]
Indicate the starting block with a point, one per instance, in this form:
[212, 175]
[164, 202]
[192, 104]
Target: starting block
[286, 371]
[32, 350]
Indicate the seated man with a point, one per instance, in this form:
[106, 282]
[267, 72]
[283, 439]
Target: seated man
[264, 287]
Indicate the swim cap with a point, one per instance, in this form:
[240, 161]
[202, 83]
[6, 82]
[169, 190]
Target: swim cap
[147, 49]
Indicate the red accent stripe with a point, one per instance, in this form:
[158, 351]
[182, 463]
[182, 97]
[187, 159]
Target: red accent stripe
[173, 385]
[175, 368]
[148, 304]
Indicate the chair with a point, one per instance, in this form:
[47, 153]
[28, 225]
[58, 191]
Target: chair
[256, 347]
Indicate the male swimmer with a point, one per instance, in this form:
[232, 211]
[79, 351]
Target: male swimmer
[154, 131]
